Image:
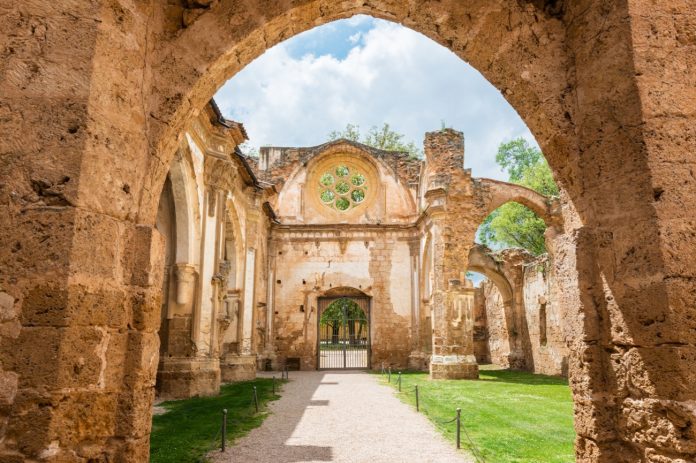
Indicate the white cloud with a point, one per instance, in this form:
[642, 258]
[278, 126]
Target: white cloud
[355, 38]
[392, 74]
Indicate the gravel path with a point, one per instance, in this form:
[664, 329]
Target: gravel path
[341, 417]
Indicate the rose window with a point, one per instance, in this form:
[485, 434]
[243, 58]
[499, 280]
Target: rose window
[342, 188]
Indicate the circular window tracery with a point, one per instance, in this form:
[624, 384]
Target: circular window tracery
[342, 187]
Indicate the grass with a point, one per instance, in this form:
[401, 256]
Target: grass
[511, 416]
[190, 428]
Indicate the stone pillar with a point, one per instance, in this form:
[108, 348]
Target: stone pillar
[453, 333]
[241, 365]
[269, 352]
[449, 199]
[185, 280]
[417, 360]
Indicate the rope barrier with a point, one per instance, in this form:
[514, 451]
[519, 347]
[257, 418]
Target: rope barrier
[478, 456]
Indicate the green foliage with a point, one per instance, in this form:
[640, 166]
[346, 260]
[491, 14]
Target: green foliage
[512, 224]
[351, 132]
[383, 138]
[190, 428]
[511, 416]
[249, 150]
[341, 309]
[516, 156]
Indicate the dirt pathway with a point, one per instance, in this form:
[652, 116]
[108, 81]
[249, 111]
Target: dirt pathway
[341, 417]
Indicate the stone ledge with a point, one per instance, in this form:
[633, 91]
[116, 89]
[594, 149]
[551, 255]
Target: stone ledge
[463, 368]
[235, 367]
[179, 378]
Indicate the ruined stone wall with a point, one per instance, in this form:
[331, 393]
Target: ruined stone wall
[498, 336]
[606, 88]
[545, 319]
[308, 264]
[542, 321]
[389, 195]
[211, 217]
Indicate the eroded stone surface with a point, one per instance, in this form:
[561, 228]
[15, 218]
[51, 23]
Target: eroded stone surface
[94, 99]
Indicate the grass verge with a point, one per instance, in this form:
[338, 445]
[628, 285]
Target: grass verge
[190, 428]
[511, 416]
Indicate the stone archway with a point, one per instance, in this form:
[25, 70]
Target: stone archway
[85, 157]
[481, 262]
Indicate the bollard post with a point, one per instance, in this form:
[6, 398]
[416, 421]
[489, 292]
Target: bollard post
[399, 381]
[224, 430]
[389, 375]
[274, 385]
[287, 373]
[459, 427]
[417, 402]
[256, 400]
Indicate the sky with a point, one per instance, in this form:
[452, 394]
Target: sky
[367, 71]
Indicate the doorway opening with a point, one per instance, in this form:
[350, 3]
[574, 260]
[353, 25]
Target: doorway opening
[344, 333]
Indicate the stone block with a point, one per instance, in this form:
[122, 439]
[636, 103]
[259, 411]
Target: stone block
[146, 307]
[134, 415]
[143, 257]
[664, 371]
[454, 371]
[141, 358]
[179, 378]
[30, 422]
[238, 368]
[83, 415]
[96, 261]
[51, 304]
[55, 357]
[659, 424]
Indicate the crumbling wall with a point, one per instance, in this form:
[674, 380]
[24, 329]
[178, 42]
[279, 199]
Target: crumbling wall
[538, 307]
[545, 318]
[498, 335]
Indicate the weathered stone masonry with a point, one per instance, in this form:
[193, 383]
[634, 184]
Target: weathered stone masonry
[95, 95]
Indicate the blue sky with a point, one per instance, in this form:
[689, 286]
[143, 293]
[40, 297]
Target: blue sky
[367, 71]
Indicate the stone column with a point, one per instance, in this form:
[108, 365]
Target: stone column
[241, 365]
[453, 333]
[417, 359]
[269, 353]
[449, 199]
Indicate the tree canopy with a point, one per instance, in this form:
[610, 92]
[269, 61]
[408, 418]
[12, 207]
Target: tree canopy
[512, 224]
[341, 310]
[384, 138]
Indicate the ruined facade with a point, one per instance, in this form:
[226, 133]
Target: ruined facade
[252, 247]
[215, 231]
[354, 219]
[95, 95]
[519, 321]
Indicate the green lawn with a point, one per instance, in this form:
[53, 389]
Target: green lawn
[512, 416]
[190, 428]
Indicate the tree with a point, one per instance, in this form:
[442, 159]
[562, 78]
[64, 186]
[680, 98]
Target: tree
[512, 224]
[384, 138]
[351, 132]
[344, 312]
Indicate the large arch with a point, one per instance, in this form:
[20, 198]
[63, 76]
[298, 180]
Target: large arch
[86, 156]
[499, 193]
[533, 40]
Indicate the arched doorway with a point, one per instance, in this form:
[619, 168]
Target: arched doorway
[343, 340]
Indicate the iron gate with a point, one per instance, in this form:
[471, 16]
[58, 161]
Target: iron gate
[344, 332]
